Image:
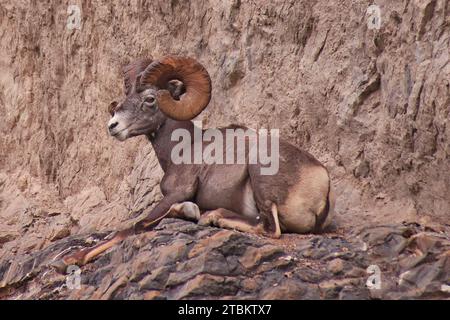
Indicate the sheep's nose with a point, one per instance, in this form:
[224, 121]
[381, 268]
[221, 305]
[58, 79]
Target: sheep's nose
[113, 125]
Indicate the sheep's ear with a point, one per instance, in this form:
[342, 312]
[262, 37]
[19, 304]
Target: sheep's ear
[176, 88]
[112, 107]
[132, 70]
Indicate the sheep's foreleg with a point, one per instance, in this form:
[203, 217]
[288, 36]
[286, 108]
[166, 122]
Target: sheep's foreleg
[169, 206]
[85, 255]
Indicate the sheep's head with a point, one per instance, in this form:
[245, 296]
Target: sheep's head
[174, 87]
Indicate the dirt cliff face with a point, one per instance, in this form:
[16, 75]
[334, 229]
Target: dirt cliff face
[371, 104]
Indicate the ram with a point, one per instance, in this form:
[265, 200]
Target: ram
[165, 95]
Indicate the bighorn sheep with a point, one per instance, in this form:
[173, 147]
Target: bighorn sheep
[164, 95]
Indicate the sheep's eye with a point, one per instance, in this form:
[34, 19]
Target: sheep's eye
[150, 99]
[149, 102]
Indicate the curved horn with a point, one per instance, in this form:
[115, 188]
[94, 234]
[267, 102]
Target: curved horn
[195, 79]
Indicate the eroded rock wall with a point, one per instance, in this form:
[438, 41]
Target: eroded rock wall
[371, 104]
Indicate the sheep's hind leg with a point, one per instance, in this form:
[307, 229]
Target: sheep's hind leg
[227, 219]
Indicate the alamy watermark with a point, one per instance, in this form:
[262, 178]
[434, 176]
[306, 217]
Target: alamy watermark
[73, 17]
[73, 277]
[227, 146]
[374, 281]
[373, 13]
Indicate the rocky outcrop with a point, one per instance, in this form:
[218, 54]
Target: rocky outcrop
[181, 260]
[372, 105]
